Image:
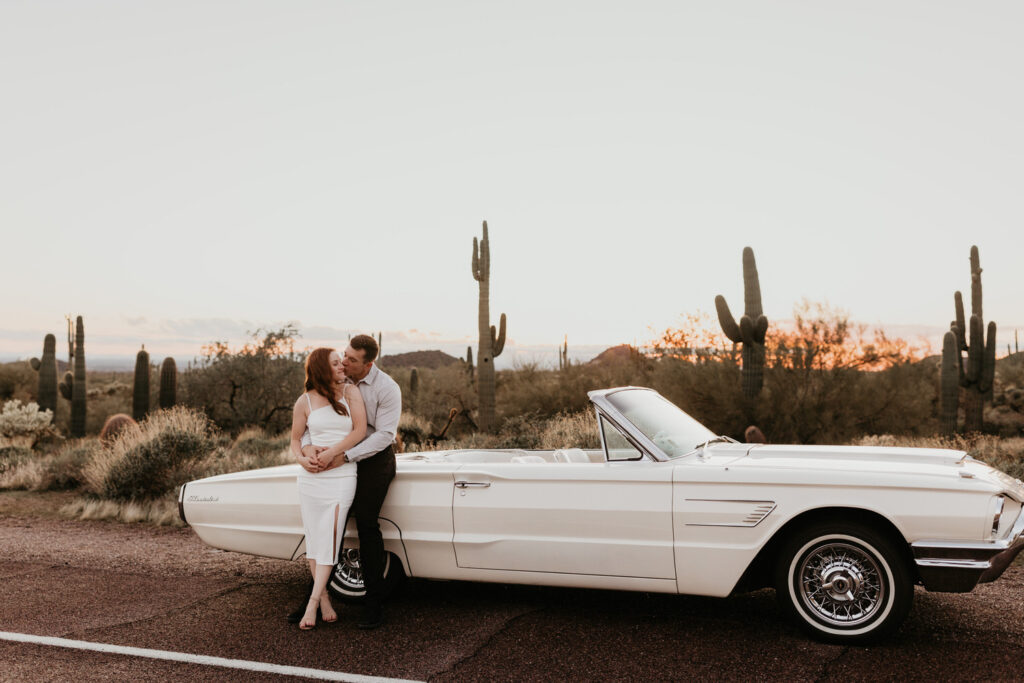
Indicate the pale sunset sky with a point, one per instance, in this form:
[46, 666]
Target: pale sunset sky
[187, 171]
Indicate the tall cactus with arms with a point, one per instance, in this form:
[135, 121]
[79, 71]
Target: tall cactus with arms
[47, 368]
[73, 386]
[491, 344]
[751, 329]
[980, 344]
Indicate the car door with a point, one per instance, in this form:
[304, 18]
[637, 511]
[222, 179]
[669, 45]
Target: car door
[610, 518]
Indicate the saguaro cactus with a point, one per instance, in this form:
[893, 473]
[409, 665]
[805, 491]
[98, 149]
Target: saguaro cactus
[490, 345]
[977, 376]
[469, 361]
[950, 395]
[140, 390]
[414, 386]
[73, 386]
[563, 354]
[752, 327]
[168, 383]
[47, 369]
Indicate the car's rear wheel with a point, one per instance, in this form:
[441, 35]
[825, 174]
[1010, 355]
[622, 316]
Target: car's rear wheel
[844, 582]
[346, 581]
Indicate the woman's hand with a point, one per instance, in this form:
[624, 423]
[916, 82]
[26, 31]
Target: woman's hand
[308, 465]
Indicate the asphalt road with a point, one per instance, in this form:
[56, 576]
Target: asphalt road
[141, 586]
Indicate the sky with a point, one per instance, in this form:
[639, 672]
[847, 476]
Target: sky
[189, 171]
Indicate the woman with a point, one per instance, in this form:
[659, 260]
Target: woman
[333, 412]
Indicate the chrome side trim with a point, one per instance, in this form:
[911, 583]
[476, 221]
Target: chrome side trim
[760, 510]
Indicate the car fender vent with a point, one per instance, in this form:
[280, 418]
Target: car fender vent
[713, 512]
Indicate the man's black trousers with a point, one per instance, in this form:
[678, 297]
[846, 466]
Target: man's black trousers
[375, 475]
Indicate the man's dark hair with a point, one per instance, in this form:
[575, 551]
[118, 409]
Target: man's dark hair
[366, 344]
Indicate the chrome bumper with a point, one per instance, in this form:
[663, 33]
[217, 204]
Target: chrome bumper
[181, 503]
[959, 566]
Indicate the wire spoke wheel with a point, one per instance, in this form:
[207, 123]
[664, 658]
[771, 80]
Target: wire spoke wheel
[349, 571]
[346, 580]
[843, 582]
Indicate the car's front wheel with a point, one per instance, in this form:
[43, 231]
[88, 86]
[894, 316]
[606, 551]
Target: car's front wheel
[346, 581]
[844, 582]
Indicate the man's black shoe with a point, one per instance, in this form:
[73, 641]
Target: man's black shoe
[373, 616]
[296, 616]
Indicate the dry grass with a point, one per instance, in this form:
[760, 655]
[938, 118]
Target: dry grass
[30, 475]
[578, 430]
[162, 512]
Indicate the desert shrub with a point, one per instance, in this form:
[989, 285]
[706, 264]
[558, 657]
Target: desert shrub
[13, 456]
[252, 448]
[18, 381]
[1010, 370]
[413, 431]
[67, 466]
[520, 431]
[440, 391]
[571, 430]
[150, 459]
[255, 441]
[709, 390]
[545, 393]
[253, 386]
[24, 424]
[826, 380]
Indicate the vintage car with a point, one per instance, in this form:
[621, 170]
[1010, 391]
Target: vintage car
[842, 533]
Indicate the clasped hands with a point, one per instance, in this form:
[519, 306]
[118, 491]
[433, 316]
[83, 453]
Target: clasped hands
[313, 461]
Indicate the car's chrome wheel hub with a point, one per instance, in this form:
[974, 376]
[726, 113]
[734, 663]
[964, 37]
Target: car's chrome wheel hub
[348, 570]
[841, 584]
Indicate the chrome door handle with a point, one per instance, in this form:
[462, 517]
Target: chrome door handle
[472, 484]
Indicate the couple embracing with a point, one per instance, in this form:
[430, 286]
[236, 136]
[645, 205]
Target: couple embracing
[342, 430]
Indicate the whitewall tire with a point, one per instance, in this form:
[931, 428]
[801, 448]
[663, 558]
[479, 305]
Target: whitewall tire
[844, 582]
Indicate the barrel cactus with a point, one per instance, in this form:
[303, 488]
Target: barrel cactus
[751, 329]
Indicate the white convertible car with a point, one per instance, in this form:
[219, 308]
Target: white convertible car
[842, 533]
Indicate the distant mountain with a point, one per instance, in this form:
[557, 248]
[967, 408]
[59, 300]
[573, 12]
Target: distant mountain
[616, 354]
[419, 359]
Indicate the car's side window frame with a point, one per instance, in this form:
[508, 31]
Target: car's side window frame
[602, 420]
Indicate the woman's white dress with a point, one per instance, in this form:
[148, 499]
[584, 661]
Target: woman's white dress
[324, 493]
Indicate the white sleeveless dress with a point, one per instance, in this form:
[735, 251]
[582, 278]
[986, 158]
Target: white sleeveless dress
[321, 494]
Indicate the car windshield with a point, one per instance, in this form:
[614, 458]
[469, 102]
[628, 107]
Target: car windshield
[671, 430]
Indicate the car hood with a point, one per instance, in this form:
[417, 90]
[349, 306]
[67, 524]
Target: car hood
[867, 465]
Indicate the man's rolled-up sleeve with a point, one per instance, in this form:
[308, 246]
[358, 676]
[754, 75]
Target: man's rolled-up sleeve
[389, 411]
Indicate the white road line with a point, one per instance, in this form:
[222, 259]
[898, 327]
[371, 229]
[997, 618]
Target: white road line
[247, 665]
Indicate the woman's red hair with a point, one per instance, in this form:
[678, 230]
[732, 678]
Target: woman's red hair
[320, 377]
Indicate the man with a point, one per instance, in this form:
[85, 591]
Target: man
[376, 465]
